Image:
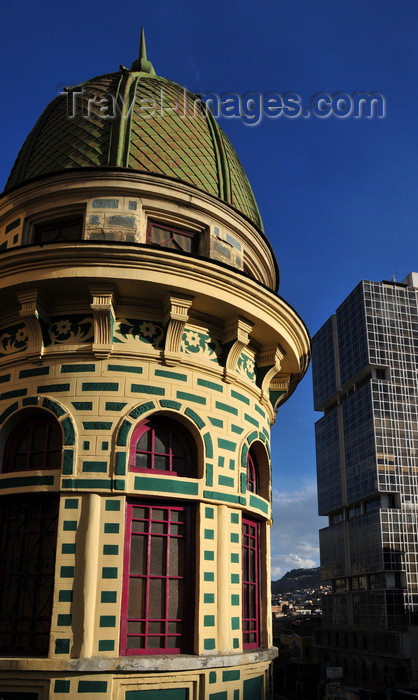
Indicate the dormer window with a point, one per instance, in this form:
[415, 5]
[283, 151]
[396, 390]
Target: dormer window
[168, 236]
[58, 231]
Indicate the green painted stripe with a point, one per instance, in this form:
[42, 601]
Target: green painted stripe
[225, 407]
[13, 394]
[234, 518]
[240, 397]
[13, 224]
[114, 406]
[108, 597]
[231, 675]
[120, 466]
[209, 474]
[208, 620]
[209, 534]
[4, 378]
[53, 406]
[143, 408]
[226, 481]
[208, 645]
[112, 504]
[171, 375]
[64, 620]
[227, 445]
[65, 596]
[61, 686]
[69, 525]
[33, 372]
[147, 389]
[52, 388]
[89, 484]
[92, 687]
[190, 397]
[62, 646]
[234, 537]
[251, 420]
[31, 401]
[218, 496]
[210, 385]
[21, 481]
[209, 598]
[109, 572]
[97, 425]
[107, 621]
[71, 503]
[166, 403]
[235, 599]
[258, 503]
[93, 466]
[195, 417]
[237, 429]
[259, 410]
[209, 445]
[68, 464]
[159, 484]
[68, 548]
[235, 578]
[67, 572]
[209, 513]
[208, 576]
[216, 422]
[10, 409]
[82, 405]
[111, 528]
[106, 645]
[100, 386]
[78, 368]
[209, 555]
[124, 368]
[252, 436]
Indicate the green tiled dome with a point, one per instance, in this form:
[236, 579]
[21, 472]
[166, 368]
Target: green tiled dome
[167, 132]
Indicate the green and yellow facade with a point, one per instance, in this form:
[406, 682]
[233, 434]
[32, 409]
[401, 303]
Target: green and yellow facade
[105, 331]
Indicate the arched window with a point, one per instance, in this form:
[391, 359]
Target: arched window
[253, 475]
[161, 445]
[35, 443]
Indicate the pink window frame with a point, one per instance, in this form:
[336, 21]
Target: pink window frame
[17, 434]
[171, 229]
[185, 638]
[250, 584]
[181, 434]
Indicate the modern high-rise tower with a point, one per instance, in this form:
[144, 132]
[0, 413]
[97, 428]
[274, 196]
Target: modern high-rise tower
[365, 381]
[143, 352]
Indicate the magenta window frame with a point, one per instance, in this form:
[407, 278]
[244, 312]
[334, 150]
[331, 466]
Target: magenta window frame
[250, 584]
[26, 429]
[170, 231]
[157, 533]
[176, 433]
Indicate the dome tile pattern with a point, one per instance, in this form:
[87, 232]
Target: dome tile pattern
[136, 120]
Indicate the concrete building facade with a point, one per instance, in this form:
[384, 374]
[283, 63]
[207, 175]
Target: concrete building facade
[143, 353]
[365, 382]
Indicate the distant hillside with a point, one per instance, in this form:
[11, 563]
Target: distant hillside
[297, 578]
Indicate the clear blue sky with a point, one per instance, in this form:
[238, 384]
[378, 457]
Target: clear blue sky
[338, 196]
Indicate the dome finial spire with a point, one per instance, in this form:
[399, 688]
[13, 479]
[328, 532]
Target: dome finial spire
[142, 64]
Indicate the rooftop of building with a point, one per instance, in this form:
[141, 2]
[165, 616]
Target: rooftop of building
[136, 120]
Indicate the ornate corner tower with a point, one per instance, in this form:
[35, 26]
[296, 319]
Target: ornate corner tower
[143, 352]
